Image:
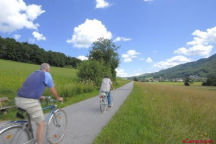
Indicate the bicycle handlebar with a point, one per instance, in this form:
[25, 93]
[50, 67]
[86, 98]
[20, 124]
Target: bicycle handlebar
[49, 99]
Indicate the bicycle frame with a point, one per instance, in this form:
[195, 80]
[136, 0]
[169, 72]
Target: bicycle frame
[28, 121]
[52, 107]
[25, 125]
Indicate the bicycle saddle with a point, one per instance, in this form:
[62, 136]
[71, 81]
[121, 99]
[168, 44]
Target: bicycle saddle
[19, 114]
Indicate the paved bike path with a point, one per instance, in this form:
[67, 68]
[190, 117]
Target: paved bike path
[85, 120]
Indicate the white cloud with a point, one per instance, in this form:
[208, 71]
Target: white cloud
[149, 60]
[137, 73]
[31, 40]
[127, 60]
[174, 61]
[82, 58]
[17, 36]
[121, 73]
[38, 36]
[87, 33]
[101, 4]
[201, 44]
[130, 55]
[200, 50]
[121, 39]
[15, 15]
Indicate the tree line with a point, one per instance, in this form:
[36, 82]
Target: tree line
[103, 58]
[10, 49]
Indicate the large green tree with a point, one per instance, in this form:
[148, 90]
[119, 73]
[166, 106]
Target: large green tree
[105, 50]
[91, 70]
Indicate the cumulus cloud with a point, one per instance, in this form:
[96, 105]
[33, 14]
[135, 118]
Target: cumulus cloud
[130, 55]
[121, 39]
[38, 36]
[121, 73]
[82, 58]
[15, 15]
[174, 61]
[200, 50]
[149, 60]
[17, 36]
[201, 44]
[88, 32]
[101, 4]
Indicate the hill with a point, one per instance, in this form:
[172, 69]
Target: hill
[201, 68]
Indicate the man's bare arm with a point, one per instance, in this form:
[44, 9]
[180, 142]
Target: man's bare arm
[55, 94]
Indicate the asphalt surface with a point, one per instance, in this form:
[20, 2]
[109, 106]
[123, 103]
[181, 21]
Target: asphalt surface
[85, 120]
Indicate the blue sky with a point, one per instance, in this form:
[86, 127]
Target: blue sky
[153, 34]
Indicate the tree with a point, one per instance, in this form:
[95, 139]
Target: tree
[135, 79]
[187, 81]
[91, 70]
[31, 53]
[211, 81]
[105, 50]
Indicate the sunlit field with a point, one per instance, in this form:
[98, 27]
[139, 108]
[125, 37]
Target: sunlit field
[179, 83]
[13, 74]
[163, 114]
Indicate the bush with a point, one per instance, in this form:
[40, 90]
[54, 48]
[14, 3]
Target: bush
[92, 70]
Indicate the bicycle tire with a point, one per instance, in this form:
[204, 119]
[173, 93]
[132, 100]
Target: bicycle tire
[56, 126]
[111, 101]
[103, 106]
[15, 135]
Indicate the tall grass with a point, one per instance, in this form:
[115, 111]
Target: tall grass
[13, 74]
[68, 85]
[163, 114]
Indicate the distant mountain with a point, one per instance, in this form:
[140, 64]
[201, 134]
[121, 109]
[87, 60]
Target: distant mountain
[202, 68]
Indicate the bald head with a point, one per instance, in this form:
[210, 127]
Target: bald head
[44, 66]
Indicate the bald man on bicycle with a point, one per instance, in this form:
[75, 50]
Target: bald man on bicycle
[31, 92]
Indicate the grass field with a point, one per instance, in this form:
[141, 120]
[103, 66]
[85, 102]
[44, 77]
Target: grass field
[179, 83]
[13, 74]
[163, 114]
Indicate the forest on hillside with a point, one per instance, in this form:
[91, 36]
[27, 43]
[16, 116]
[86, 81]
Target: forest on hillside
[10, 49]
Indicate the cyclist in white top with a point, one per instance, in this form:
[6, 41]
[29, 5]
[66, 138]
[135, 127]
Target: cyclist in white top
[105, 87]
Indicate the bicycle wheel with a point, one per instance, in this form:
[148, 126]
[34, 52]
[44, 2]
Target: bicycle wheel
[111, 101]
[103, 106]
[56, 126]
[14, 135]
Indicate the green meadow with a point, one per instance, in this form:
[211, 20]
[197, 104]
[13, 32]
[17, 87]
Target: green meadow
[68, 85]
[156, 113]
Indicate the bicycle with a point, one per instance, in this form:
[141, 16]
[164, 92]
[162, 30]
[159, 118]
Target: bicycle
[104, 101]
[21, 132]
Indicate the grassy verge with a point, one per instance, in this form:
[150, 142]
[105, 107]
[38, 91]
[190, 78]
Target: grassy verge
[162, 114]
[11, 115]
[13, 74]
